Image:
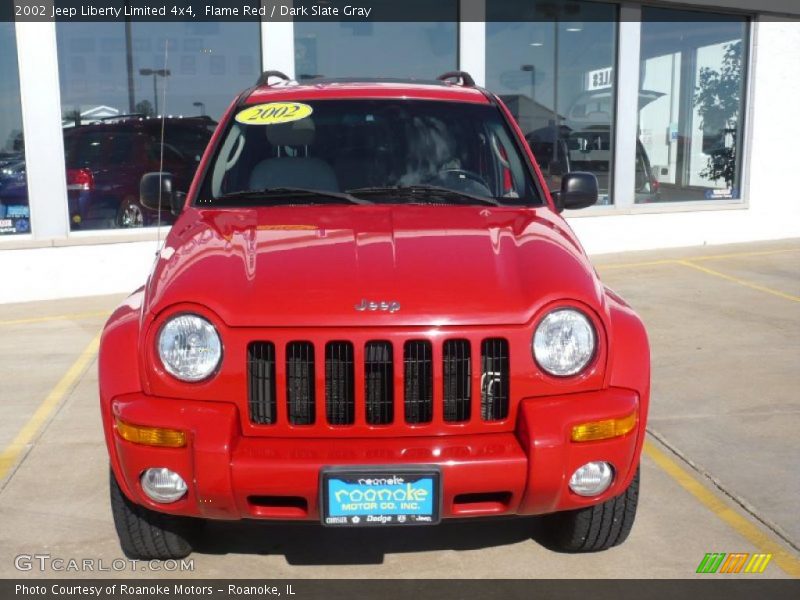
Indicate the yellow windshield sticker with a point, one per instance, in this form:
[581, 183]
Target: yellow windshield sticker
[274, 113]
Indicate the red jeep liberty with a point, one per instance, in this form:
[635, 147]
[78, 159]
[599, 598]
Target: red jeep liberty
[370, 312]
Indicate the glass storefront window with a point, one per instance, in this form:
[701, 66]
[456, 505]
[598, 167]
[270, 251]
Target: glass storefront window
[14, 209]
[421, 50]
[117, 79]
[691, 105]
[557, 77]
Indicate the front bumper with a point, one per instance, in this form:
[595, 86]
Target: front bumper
[232, 476]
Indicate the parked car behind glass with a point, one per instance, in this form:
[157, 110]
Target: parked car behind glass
[588, 150]
[105, 162]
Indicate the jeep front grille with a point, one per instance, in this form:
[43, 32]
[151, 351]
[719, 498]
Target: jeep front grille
[418, 381]
[436, 381]
[340, 402]
[261, 371]
[300, 384]
[457, 379]
[494, 379]
[379, 383]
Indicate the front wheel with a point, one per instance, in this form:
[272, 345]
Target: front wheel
[594, 528]
[130, 215]
[148, 535]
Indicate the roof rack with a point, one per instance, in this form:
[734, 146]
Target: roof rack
[120, 116]
[463, 78]
[264, 78]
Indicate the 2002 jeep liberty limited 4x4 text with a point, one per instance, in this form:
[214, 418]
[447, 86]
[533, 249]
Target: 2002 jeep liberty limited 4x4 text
[370, 313]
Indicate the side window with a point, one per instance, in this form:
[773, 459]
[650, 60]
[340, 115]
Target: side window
[507, 162]
[171, 154]
[93, 149]
[85, 150]
[227, 159]
[189, 141]
[121, 148]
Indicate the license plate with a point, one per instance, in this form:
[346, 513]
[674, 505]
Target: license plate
[385, 496]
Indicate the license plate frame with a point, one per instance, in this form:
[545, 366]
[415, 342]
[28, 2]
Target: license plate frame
[428, 478]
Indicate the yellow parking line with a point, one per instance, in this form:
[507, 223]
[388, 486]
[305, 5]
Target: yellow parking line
[67, 317]
[10, 455]
[672, 261]
[740, 281]
[788, 562]
[647, 263]
[743, 254]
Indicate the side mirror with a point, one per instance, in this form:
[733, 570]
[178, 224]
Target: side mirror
[159, 183]
[578, 190]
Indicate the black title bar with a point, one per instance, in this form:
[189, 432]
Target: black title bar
[362, 11]
[712, 588]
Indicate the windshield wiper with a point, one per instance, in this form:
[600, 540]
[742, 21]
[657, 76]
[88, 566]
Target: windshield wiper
[286, 193]
[424, 192]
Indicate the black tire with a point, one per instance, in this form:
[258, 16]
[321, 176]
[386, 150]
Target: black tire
[130, 215]
[146, 534]
[594, 528]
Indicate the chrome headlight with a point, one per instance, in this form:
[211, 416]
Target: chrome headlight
[189, 347]
[564, 342]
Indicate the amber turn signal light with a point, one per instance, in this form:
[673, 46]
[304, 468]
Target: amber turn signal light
[151, 436]
[603, 430]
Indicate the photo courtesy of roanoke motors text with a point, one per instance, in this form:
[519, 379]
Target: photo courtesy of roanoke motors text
[474, 299]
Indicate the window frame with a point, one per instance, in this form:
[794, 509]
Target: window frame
[623, 183]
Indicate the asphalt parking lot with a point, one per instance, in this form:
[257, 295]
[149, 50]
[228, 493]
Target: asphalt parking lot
[719, 472]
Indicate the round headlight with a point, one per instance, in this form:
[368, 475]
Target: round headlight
[189, 347]
[564, 342]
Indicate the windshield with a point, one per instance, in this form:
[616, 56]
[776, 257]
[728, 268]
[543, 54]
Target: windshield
[368, 151]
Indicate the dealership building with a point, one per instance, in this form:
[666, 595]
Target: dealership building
[682, 109]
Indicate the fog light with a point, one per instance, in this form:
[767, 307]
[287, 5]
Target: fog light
[163, 485]
[592, 479]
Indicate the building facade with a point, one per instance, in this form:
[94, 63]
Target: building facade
[683, 110]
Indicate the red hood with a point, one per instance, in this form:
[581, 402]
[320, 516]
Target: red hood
[310, 266]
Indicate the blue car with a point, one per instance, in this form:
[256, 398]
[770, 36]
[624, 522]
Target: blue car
[14, 211]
